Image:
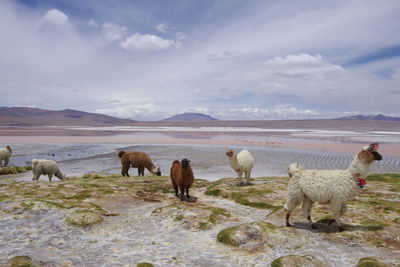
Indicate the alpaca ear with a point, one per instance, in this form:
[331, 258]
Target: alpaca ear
[374, 146]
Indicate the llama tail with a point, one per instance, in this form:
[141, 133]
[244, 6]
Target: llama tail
[121, 153]
[35, 162]
[293, 168]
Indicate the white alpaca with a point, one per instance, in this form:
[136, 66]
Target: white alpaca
[241, 163]
[45, 167]
[5, 154]
[328, 186]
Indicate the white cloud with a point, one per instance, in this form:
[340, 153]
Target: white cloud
[180, 36]
[93, 23]
[113, 32]
[136, 111]
[56, 17]
[162, 27]
[222, 56]
[301, 65]
[256, 113]
[396, 74]
[147, 42]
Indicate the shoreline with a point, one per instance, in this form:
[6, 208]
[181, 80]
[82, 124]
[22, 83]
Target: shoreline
[388, 149]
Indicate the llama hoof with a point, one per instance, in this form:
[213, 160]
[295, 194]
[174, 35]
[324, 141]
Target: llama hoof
[331, 221]
[288, 224]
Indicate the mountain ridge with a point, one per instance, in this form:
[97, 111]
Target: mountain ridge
[26, 116]
[189, 116]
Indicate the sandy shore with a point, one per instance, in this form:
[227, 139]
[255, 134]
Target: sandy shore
[95, 150]
[388, 149]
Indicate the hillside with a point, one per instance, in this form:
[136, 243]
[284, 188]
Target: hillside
[189, 117]
[378, 117]
[24, 116]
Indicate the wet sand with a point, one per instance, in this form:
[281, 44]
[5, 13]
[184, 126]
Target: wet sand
[273, 151]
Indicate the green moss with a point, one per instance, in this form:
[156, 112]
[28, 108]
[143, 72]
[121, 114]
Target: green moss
[392, 179]
[267, 227]
[243, 199]
[27, 204]
[241, 195]
[144, 264]
[217, 213]
[4, 197]
[83, 218]
[13, 170]
[297, 260]
[373, 225]
[224, 235]
[370, 262]
[179, 218]
[277, 263]
[203, 225]
[378, 243]
[213, 192]
[397, 220]
[21, 261]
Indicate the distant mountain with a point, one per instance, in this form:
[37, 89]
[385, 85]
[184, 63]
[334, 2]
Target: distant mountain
[189, 117]
[24, 116]
[378, 117]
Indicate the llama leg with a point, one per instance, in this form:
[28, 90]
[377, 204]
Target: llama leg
[175, 188]
[343, 209]
[125, 169]
[240, 177]
[50, 177]
[182, 188]
[307, 205]
[141, 171]
[5, 162]
[290, 205]
[187, 192]
[336, 208]
[248, 176]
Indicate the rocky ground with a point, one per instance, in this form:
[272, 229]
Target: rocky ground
[99, 220]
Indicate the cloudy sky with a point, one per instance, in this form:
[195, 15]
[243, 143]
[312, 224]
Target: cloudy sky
[232, 59]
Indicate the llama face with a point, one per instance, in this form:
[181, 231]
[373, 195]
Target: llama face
[229, 153]
[185, 163]
[9, 148]
[370, 153]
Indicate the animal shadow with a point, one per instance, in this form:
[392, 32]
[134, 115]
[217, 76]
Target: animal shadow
[323, 226]
[191, 199]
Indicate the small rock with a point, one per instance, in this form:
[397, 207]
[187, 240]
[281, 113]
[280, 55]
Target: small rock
[21, 261]
[83, 218]
[248, 236]
[297, 260]
[370, 262]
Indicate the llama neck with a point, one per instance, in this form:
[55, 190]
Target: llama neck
[358, 168]
[186, 171]
[234, 162]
